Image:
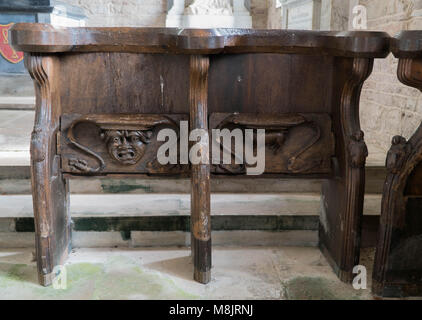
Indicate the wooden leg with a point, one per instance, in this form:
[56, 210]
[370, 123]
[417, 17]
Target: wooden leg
[342, 196]
[200, 179]
[341, 220]
[49, 189]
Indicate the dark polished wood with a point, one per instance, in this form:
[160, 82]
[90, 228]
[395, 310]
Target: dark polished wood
[99, 144]
[398, 260]
[200, 172]
[296, 144]
[46, 38]
[342, 197]
[105, 92]
[49, 189]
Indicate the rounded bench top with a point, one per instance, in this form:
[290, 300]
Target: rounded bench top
[407, 44]
[45, 38]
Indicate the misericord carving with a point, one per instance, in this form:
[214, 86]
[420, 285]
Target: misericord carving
[277, 128]
[126, 138]
[126, 146]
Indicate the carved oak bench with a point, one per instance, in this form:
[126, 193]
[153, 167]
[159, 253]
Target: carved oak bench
[398, 260]
[103, 94]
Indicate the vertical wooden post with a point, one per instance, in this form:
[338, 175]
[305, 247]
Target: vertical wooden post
[49, 189]
[342, 206]
[200, 175]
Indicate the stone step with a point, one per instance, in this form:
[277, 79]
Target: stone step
[93, 239]
[135, 235]
[174, 223]
[15, 133]
[16, 92]
[17, 103]
[129, 205]
[15, 180]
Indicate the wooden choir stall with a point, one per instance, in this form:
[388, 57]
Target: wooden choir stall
[398, 261]
[104, 94]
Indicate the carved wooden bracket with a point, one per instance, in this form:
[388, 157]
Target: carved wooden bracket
[125, 139]
[293, 141]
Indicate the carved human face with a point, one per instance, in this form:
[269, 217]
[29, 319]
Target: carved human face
[126, 146]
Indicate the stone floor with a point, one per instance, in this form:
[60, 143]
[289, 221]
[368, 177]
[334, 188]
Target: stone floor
[238, 273]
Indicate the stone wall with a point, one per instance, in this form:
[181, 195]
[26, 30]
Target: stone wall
[259, 13]
[389, 108]
[334, 15]
[145, 13]
[131, 13]
[274, 15]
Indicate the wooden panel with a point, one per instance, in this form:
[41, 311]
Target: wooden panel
[147, 83]
[118, 143]
[271, 83]
[124, 83]
[294, 143]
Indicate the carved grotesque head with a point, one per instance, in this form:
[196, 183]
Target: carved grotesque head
[396, 156]
[358, 150]
[358, 136]
[126, 146]
[398, 140]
